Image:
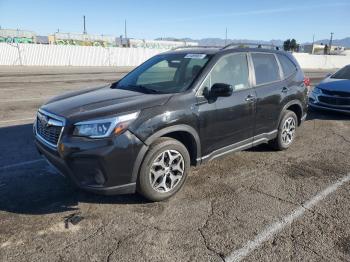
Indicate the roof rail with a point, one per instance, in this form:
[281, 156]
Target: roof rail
[195, 46]
[249, 45]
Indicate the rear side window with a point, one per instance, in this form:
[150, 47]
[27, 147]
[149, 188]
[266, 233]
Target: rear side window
[265, 67]
[288, 66]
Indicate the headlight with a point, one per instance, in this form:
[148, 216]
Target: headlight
[100, 128]
[317, 90]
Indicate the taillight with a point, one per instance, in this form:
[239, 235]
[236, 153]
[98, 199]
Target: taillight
[307, 82]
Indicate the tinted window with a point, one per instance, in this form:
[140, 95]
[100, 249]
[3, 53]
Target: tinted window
[231, 70]
[165, 73]
[158, 73]
[288, 66]
[343, 73]
[266, 68]
[193, 67]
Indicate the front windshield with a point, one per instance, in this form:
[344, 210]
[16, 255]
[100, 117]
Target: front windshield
[166, 73]
[343, 73]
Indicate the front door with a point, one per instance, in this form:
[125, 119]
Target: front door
[227, 120]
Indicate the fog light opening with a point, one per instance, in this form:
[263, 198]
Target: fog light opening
[99, 177]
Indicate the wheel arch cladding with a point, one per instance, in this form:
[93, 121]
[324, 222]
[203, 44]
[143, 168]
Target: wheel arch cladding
[297, 110]
[294, 106]
[187, 135]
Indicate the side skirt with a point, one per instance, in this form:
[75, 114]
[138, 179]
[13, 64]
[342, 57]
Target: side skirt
[243, 145]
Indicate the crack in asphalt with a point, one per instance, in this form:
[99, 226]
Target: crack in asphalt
[271, 196]
[341, 136]
[305, 247]
[92, 235]
[288, 201]
[114, 250]
[205, 225]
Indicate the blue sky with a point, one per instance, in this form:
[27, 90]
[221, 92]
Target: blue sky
[260, 20]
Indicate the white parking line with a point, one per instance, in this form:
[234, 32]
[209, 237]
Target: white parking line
[16, 120]
[21, 100]
[21, 164]
[275, 228]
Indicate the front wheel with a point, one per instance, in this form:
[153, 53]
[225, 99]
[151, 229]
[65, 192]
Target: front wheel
[286, 131]
[164, 169]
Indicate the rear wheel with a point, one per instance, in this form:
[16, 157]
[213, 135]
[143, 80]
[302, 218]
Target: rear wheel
[164, 169]
[286, 131]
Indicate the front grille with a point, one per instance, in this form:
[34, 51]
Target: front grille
[48, 128]
[337, 101]
[336, 93]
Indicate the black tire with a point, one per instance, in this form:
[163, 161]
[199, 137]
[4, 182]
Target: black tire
[161, 145]
[278, 142]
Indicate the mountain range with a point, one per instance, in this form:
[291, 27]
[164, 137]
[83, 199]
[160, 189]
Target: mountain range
[221, 42]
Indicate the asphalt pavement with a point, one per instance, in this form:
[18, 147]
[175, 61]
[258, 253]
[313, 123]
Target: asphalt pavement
[255, 205]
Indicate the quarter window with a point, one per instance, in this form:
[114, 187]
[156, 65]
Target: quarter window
[265, 67]
[288, 66]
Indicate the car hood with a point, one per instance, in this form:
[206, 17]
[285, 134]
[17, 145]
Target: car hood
[100, 102]
[332, 84]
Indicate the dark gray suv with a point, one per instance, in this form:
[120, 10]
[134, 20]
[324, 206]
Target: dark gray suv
[177, 109]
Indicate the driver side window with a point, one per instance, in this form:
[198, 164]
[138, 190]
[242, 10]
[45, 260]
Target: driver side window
[232, 70]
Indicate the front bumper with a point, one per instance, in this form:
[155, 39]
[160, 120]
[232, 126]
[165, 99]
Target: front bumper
[103, 166]
[327, 108]
[314, 102]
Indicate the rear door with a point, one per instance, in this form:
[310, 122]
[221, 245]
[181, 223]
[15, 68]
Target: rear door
[270, 91]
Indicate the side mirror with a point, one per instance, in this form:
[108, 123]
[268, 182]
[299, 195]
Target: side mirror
[221, 90]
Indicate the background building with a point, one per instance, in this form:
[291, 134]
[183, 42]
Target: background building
[81, 39]
[159, 44]
[17, 36]
[318, 49]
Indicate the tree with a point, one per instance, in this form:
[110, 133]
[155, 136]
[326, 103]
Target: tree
[286, 45]
[291, 45]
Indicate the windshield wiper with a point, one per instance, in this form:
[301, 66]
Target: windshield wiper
[146, 88]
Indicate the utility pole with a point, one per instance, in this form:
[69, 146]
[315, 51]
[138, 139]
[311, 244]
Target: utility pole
[330, 43]
[84, 25]
[226, 37]
[125, 33]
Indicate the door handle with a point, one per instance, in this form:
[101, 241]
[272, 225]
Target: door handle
[250, 98]
[285, 89]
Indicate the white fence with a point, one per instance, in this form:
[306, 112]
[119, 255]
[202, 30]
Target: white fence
[59, 55]
[323, 62]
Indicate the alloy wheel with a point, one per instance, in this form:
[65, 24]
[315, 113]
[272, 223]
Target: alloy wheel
[166, 171]
[288, 130]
